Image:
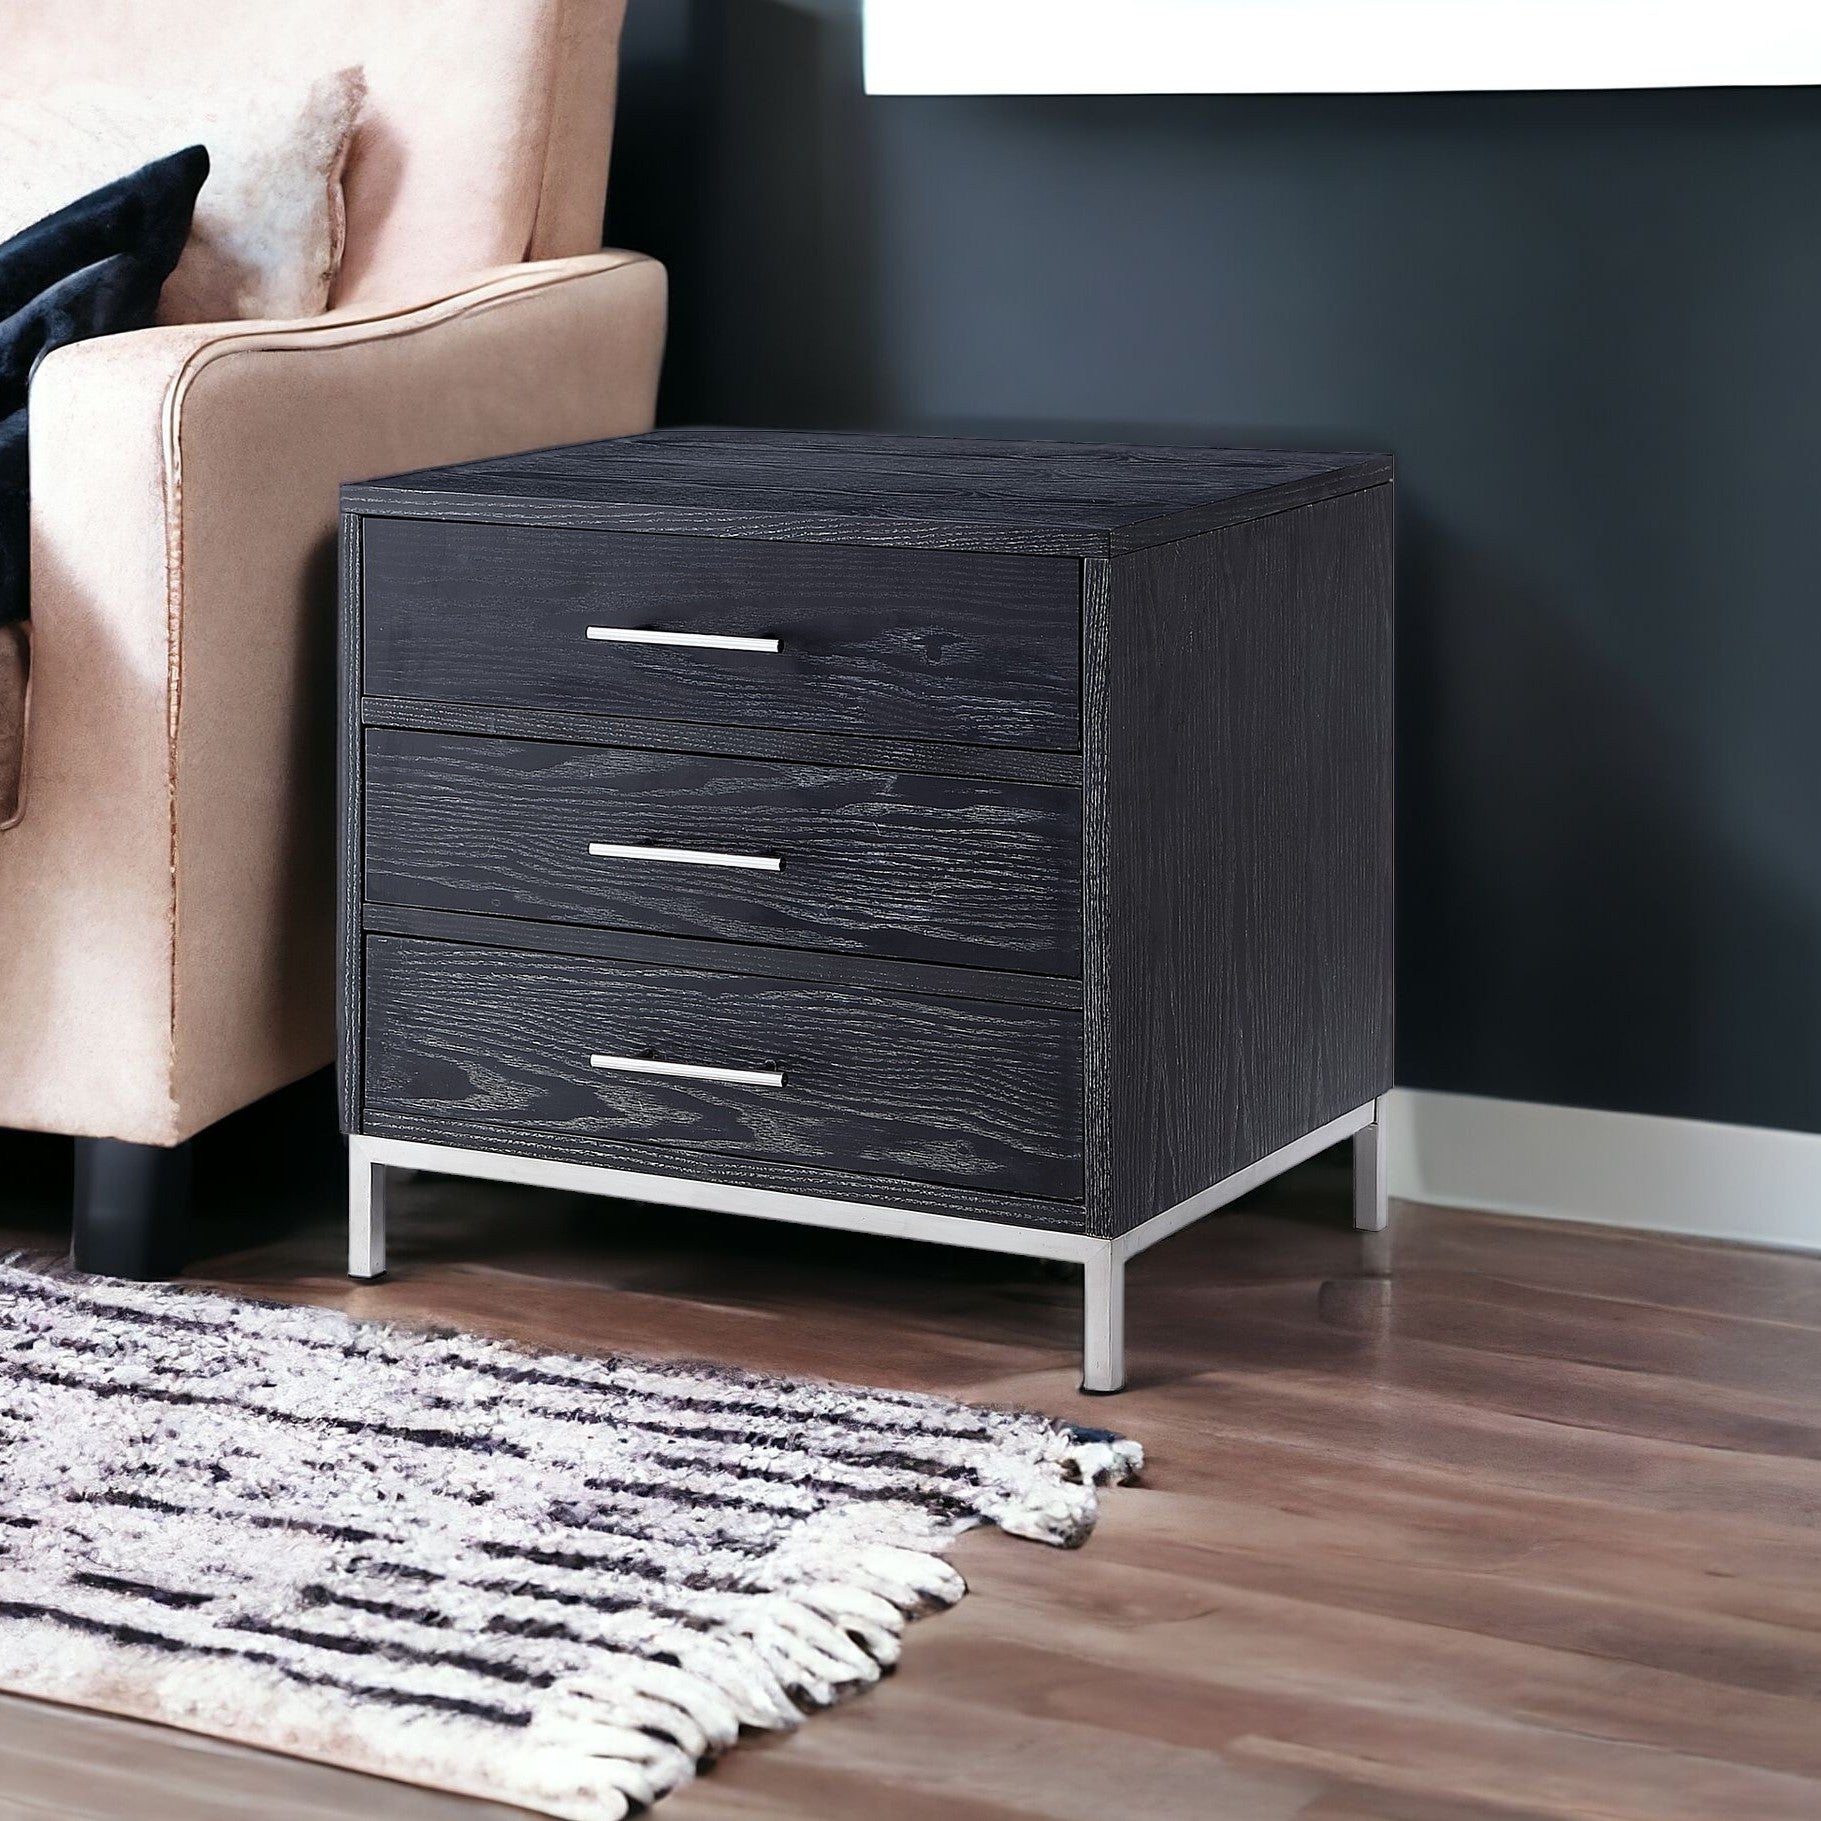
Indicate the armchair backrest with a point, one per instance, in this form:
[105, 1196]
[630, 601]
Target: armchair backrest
[487, 128]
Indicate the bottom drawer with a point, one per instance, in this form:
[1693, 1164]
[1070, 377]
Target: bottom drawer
[960, 1091]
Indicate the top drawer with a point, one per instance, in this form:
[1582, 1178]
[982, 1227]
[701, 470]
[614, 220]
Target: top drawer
[979, 649]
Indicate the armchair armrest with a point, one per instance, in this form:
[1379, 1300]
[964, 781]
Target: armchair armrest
[167, 899]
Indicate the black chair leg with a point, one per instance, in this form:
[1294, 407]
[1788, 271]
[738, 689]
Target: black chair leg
[132, 1208]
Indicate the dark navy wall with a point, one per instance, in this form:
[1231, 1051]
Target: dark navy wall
[1588, 325]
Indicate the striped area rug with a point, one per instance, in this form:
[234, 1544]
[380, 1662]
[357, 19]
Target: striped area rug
[556, 1581]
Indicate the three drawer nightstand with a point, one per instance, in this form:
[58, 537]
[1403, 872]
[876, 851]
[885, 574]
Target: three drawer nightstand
[988, 843]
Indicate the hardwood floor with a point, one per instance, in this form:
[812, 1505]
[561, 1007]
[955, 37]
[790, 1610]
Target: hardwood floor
[1470, 1521]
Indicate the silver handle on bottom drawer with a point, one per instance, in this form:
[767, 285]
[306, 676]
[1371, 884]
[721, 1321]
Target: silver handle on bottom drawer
[691, 1071]
[684, 856]
[710, 641]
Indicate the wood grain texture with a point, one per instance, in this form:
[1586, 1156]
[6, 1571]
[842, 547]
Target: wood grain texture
[1098, 1059]
[1477, 1520]
[873, 862]
[1068, 499]
[348, 825]
[1022, 764]
[1240, 828]
[826, 1182]
[963, 1092]
[925, 644]
[919, 977]
[1222, 759]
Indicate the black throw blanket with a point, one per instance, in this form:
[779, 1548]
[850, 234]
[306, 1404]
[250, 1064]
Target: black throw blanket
[94, 268]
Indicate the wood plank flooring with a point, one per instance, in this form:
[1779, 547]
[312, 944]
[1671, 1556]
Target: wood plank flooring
[1472, 1521]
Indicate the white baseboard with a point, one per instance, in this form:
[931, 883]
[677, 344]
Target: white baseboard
[1746, 1183]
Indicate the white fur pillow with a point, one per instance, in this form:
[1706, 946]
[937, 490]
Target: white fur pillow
[267, 236]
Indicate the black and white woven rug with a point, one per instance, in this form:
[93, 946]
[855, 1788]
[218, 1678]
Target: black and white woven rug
[557, 1581]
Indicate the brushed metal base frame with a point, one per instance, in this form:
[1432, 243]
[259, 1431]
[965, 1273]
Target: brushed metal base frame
[1371, 1195]
[1103, 1260]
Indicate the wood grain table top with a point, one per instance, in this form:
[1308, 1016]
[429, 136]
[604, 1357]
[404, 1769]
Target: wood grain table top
[1058, 498]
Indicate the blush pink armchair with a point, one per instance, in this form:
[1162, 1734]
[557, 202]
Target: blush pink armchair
[167, 890]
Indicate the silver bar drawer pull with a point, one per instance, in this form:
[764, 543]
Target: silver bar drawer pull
[708, 641]
[690, 1071]
[686, 856]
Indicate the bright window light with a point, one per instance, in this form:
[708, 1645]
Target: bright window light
[1235, 47]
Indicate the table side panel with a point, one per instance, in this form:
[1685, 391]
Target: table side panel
[1240, 842]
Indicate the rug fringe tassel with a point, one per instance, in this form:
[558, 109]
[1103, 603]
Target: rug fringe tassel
[1062, 1511]
[630, 1737]
[636, 1736]
[1098, 1457]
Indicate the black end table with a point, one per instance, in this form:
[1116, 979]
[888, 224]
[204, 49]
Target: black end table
[981, 842]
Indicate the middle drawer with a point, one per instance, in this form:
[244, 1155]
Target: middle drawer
[971, 872]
